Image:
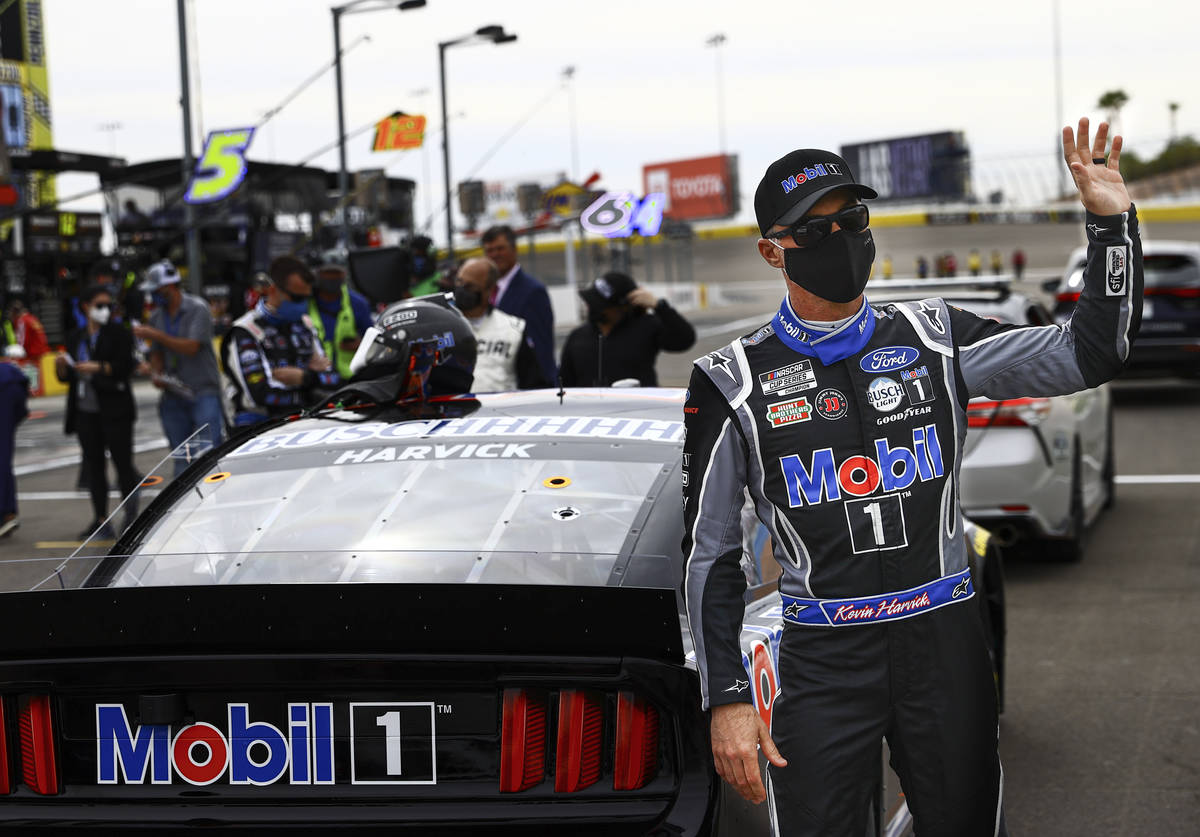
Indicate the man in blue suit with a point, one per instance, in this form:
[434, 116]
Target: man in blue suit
[521, 295]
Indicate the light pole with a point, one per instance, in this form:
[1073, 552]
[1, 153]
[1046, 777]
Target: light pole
[111, 129]
[568, 75]
[483, 34]
[353, 7]
[716, 42]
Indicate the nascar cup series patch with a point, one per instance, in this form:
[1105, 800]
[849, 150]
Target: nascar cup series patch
[786, 380]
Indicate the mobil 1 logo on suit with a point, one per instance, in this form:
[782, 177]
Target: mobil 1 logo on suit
[917, 385]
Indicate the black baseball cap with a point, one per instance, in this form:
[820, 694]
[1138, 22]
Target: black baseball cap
[796, 181]
[608, 289]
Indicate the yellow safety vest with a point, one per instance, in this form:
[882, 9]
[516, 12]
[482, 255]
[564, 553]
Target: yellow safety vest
[344, 329]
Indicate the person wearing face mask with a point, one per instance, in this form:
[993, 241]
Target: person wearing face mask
[274, 360]
[626, 329]
[504, 358]
[182, 362]
[426, 278]
[339, 315]
[101, 411]
[846, 422]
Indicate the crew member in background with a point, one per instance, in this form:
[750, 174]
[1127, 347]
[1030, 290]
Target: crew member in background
[23, 329]
[182, 362]
[885, 267]
[14, 395]
[426, 278]
[627, 327]
[974, 262]
[273, 358]
[504, 357]
[100, 407]
[340, 316]
[520, 294]
[997, 262]
[1018, 262]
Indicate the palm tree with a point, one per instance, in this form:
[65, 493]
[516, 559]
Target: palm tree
[1112, 101]
[1173, 106]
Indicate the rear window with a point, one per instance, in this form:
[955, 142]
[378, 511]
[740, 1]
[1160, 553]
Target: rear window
[493, 509]
[1161, 270]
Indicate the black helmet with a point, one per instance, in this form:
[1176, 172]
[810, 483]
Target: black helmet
[422, 346]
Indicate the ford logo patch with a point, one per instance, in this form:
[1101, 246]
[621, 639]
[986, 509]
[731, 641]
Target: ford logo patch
[889, 358]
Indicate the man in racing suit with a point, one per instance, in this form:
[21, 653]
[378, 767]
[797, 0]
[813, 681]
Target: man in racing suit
[847, 422]
[273, 357]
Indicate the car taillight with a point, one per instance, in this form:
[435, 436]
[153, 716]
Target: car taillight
[1016, 412]
[1178, 293]
[37, 746]
[580, 740]
[1067, 296]
[5, 784]
[637, 742]
[523, 740]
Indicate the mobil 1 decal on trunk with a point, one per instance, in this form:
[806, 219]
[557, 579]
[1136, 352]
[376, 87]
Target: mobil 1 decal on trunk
[375, 743]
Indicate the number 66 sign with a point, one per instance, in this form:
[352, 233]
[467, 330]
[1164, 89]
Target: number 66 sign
[221, 167]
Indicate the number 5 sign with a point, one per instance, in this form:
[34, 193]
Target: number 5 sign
[221, 167]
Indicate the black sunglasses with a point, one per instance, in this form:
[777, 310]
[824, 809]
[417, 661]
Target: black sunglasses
[812, 230]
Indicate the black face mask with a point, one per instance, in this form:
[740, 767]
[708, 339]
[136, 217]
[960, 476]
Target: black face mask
[329, 286]
[467, 299]
[836, 269]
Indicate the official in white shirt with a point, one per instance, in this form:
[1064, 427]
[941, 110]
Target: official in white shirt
[505, 358]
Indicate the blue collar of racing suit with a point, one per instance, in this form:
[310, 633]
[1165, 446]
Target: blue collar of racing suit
[839, 344]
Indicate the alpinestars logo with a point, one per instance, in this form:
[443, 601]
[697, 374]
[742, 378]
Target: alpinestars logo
[739, 686]
[892, 469]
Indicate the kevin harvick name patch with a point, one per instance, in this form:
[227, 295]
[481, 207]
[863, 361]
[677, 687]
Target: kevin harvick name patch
[786, 380]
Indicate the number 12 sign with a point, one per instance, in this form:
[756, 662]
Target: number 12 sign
[221, 167]
[617, 214]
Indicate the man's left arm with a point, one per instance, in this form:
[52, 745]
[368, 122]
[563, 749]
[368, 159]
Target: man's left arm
[539, 325]
[529, 371]
[1006, 362]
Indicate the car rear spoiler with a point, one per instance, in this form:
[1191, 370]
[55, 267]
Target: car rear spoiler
[425, 619]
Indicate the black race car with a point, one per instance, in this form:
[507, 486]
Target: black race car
[465, 618]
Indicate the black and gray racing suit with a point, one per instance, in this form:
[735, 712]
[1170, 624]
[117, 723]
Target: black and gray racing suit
[852, 464]
[259, 343]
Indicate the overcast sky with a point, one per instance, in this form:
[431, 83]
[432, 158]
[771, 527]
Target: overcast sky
[795, 75]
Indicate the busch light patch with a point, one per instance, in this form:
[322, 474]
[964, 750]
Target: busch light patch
[889, 358]
[1115, 272]
[884, 394]
[784, 413]
[787, 380]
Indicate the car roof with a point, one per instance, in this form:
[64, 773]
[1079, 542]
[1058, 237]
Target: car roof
[1150, 247]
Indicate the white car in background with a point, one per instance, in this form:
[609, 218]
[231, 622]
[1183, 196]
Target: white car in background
[1032, 468]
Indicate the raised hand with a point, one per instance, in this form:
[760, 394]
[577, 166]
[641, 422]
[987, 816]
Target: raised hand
[1101, 187]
